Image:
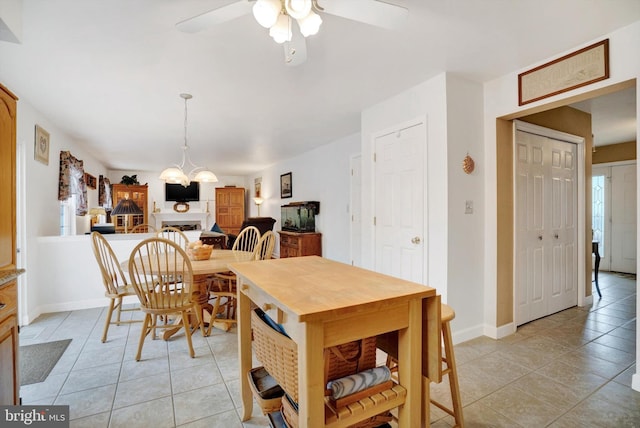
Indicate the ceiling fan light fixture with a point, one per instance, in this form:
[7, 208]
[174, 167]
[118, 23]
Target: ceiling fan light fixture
[281, 31]
[297, 9]
[266, 12]
[310, 24]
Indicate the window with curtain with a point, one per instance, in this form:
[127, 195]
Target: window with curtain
[104, 192]
[71, 183]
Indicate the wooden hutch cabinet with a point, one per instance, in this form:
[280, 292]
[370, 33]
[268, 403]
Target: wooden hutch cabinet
[9, 351]
[138, 194]
[230, 209]
[298, 244]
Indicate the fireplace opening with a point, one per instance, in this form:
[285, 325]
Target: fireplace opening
[183, 225]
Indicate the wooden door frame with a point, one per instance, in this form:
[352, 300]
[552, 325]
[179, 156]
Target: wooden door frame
[504, 324]
[581, 211]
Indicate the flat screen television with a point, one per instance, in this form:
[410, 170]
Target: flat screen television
[179, 193]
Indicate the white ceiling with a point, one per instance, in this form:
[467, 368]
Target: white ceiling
[109, 73]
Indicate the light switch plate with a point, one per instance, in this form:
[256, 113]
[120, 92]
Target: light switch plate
[468, 207]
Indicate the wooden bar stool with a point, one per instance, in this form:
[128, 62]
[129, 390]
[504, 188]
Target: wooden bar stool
[388, 342]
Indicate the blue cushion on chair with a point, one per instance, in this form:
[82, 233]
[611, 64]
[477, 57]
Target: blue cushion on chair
[216, 228]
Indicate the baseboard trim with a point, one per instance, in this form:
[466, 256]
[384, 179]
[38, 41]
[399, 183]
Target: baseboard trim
[466, 334]
[635, 381]
[500, 332]
[72, 306]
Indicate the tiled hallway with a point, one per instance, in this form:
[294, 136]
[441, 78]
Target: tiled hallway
[571, 369]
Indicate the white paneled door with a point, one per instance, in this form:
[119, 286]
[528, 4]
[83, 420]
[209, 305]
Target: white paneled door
[623, 218]
[546, 226]
[399, 207]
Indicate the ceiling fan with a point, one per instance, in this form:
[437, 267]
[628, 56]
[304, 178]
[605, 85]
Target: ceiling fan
[278, 16]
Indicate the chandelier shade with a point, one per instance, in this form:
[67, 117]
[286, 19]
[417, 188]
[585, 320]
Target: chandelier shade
[176, 174]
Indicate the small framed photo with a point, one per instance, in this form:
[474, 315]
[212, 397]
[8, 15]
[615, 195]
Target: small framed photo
[90, 180]
[285, 185]
[41, 145]
[258, 185]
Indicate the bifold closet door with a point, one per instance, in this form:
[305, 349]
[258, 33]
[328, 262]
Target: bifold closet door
[546, 226]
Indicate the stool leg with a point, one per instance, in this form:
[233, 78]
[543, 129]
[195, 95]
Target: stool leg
[453, 374]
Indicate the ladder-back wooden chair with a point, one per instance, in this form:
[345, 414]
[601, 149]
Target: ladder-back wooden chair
[174, 234]
[222, 286]
[152, 264]
[114, 281]
[143, 228]
[266, 245]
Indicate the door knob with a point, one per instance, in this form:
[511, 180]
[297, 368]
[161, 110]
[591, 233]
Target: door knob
[415, 240]
[555, 236]
[539, 237]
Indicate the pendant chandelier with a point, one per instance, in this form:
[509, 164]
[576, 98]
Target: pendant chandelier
[276, 16]
[177, 174]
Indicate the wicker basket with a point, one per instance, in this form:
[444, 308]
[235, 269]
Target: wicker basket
[349, 358]
[277, 353]
[290, 417]
[266, 391]
[201, 252]
[279, 356]
[289, 412]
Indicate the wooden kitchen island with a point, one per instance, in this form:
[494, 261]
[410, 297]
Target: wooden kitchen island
[322, 303]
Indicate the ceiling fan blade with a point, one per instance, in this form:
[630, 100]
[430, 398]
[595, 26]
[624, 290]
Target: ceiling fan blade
[373, 12]
[295, 51]
[216, 16]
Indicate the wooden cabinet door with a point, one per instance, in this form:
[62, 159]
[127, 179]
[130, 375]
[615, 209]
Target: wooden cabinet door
[9, 383]
[294, 244]
[230, 209]
[9, 386]
[7, 180]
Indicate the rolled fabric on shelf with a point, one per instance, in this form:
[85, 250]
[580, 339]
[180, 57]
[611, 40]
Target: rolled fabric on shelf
[358, 382]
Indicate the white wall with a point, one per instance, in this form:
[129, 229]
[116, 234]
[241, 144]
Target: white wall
[453, 111]
[84, 289]
[37, 200]
[465, 288]
[500, 97]
[322, 175]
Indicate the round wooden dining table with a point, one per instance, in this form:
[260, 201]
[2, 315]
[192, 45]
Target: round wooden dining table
[202, 270]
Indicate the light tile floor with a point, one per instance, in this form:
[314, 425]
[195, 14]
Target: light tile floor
[571, 369]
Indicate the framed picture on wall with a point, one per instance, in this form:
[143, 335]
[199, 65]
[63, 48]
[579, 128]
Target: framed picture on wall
[285, 185]
[258, 185]
[41, 145]
[90, 180]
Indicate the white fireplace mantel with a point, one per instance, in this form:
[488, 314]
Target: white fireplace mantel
[161, 217]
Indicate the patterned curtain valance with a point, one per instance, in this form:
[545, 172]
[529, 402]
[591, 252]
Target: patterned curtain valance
[71, 181]
[104, 192]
